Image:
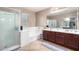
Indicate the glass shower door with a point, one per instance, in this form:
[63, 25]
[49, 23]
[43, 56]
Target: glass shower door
[9, 35]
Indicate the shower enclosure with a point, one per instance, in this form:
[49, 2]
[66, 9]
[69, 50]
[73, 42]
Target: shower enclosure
[9, 33]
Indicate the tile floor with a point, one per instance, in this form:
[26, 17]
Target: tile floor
[34, 46]
[41, 45]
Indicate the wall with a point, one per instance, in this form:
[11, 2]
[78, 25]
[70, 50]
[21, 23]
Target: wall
[32, 15]
[32, 20]
[78, 19]
[78, 23]
[41, 17]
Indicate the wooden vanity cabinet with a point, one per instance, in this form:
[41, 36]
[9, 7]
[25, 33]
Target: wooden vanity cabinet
[45, 35]
[49, 35]
[76, 41]
[69, 40]
[52, 36]
[72, 41]
[65, 39]
[60, 38]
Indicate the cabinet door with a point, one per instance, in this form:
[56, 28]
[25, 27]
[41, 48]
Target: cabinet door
[51, 36]
[76, 41]
[68, 40]
[72, 41]
[45, 35]
[60, 38]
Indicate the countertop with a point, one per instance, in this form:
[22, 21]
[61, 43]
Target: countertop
[71, 31]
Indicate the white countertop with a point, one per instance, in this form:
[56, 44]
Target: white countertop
[71, 31]
[38, 30]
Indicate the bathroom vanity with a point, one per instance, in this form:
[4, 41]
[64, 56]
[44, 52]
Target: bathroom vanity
[67, 38]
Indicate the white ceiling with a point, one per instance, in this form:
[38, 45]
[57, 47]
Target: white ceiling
[36, 9]
[63, 11]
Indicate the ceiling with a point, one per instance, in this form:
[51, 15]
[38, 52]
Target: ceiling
[36, 9]
[63, 11]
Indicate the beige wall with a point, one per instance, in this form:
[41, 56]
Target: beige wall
[32, 20]
[41, 17]
[32, 17]
[78, 22]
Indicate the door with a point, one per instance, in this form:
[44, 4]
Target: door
[45, 35]
[75, 41]
[68, 40]
[51, 36]
[9, 35]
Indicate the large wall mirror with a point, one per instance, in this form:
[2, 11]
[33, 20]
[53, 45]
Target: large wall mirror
[66, 18]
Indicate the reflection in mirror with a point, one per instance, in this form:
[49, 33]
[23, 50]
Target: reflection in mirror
[69, 23]
[52, 23]
[66, 18]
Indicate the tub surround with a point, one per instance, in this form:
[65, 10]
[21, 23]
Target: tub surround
[29, 34]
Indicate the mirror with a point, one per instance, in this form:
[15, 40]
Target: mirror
[65, 18]
[69, 23]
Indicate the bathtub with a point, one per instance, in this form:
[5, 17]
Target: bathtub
[29, 34]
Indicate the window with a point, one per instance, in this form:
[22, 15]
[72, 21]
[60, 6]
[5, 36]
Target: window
[25, 20]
